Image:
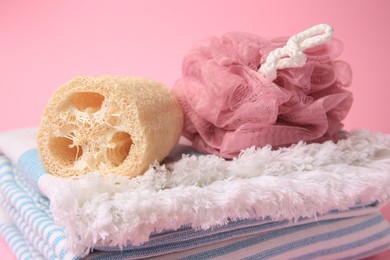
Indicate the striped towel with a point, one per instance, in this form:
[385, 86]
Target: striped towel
[31, 226]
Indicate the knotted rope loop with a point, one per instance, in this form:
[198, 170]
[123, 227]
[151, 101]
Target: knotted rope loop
[292, 54]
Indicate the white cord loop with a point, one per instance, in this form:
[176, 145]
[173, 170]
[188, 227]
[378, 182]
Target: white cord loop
[292, 54]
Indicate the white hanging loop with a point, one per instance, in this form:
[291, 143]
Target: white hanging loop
[292, 54]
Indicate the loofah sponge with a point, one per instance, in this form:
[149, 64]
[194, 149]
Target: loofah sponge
[117, 125]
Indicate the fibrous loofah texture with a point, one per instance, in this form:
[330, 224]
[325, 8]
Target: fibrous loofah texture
[229, 106]
[116, 125]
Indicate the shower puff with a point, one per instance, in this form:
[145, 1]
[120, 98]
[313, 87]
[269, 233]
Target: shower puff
[230, 105]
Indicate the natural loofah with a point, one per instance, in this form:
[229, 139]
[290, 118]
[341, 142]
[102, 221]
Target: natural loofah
[116, 125]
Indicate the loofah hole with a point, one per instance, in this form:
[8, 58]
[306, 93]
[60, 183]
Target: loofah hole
[87, 101]
[64, 151]
[113, 120]
[122, 143]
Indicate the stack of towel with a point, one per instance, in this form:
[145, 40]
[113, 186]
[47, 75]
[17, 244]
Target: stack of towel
[306, 201]
[104, 183]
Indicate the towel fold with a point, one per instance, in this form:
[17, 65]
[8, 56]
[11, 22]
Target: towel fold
[305, 201]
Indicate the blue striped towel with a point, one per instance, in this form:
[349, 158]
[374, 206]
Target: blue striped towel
[33, 233]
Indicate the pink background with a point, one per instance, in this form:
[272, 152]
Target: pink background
[43, 44]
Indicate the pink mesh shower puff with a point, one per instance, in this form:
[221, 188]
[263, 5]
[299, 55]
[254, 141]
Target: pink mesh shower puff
[229, 106]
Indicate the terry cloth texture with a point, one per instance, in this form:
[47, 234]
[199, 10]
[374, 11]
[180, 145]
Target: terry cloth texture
[117, 125]
[55, 223]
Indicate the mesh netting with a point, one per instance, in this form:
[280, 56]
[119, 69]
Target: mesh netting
[229, 106]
